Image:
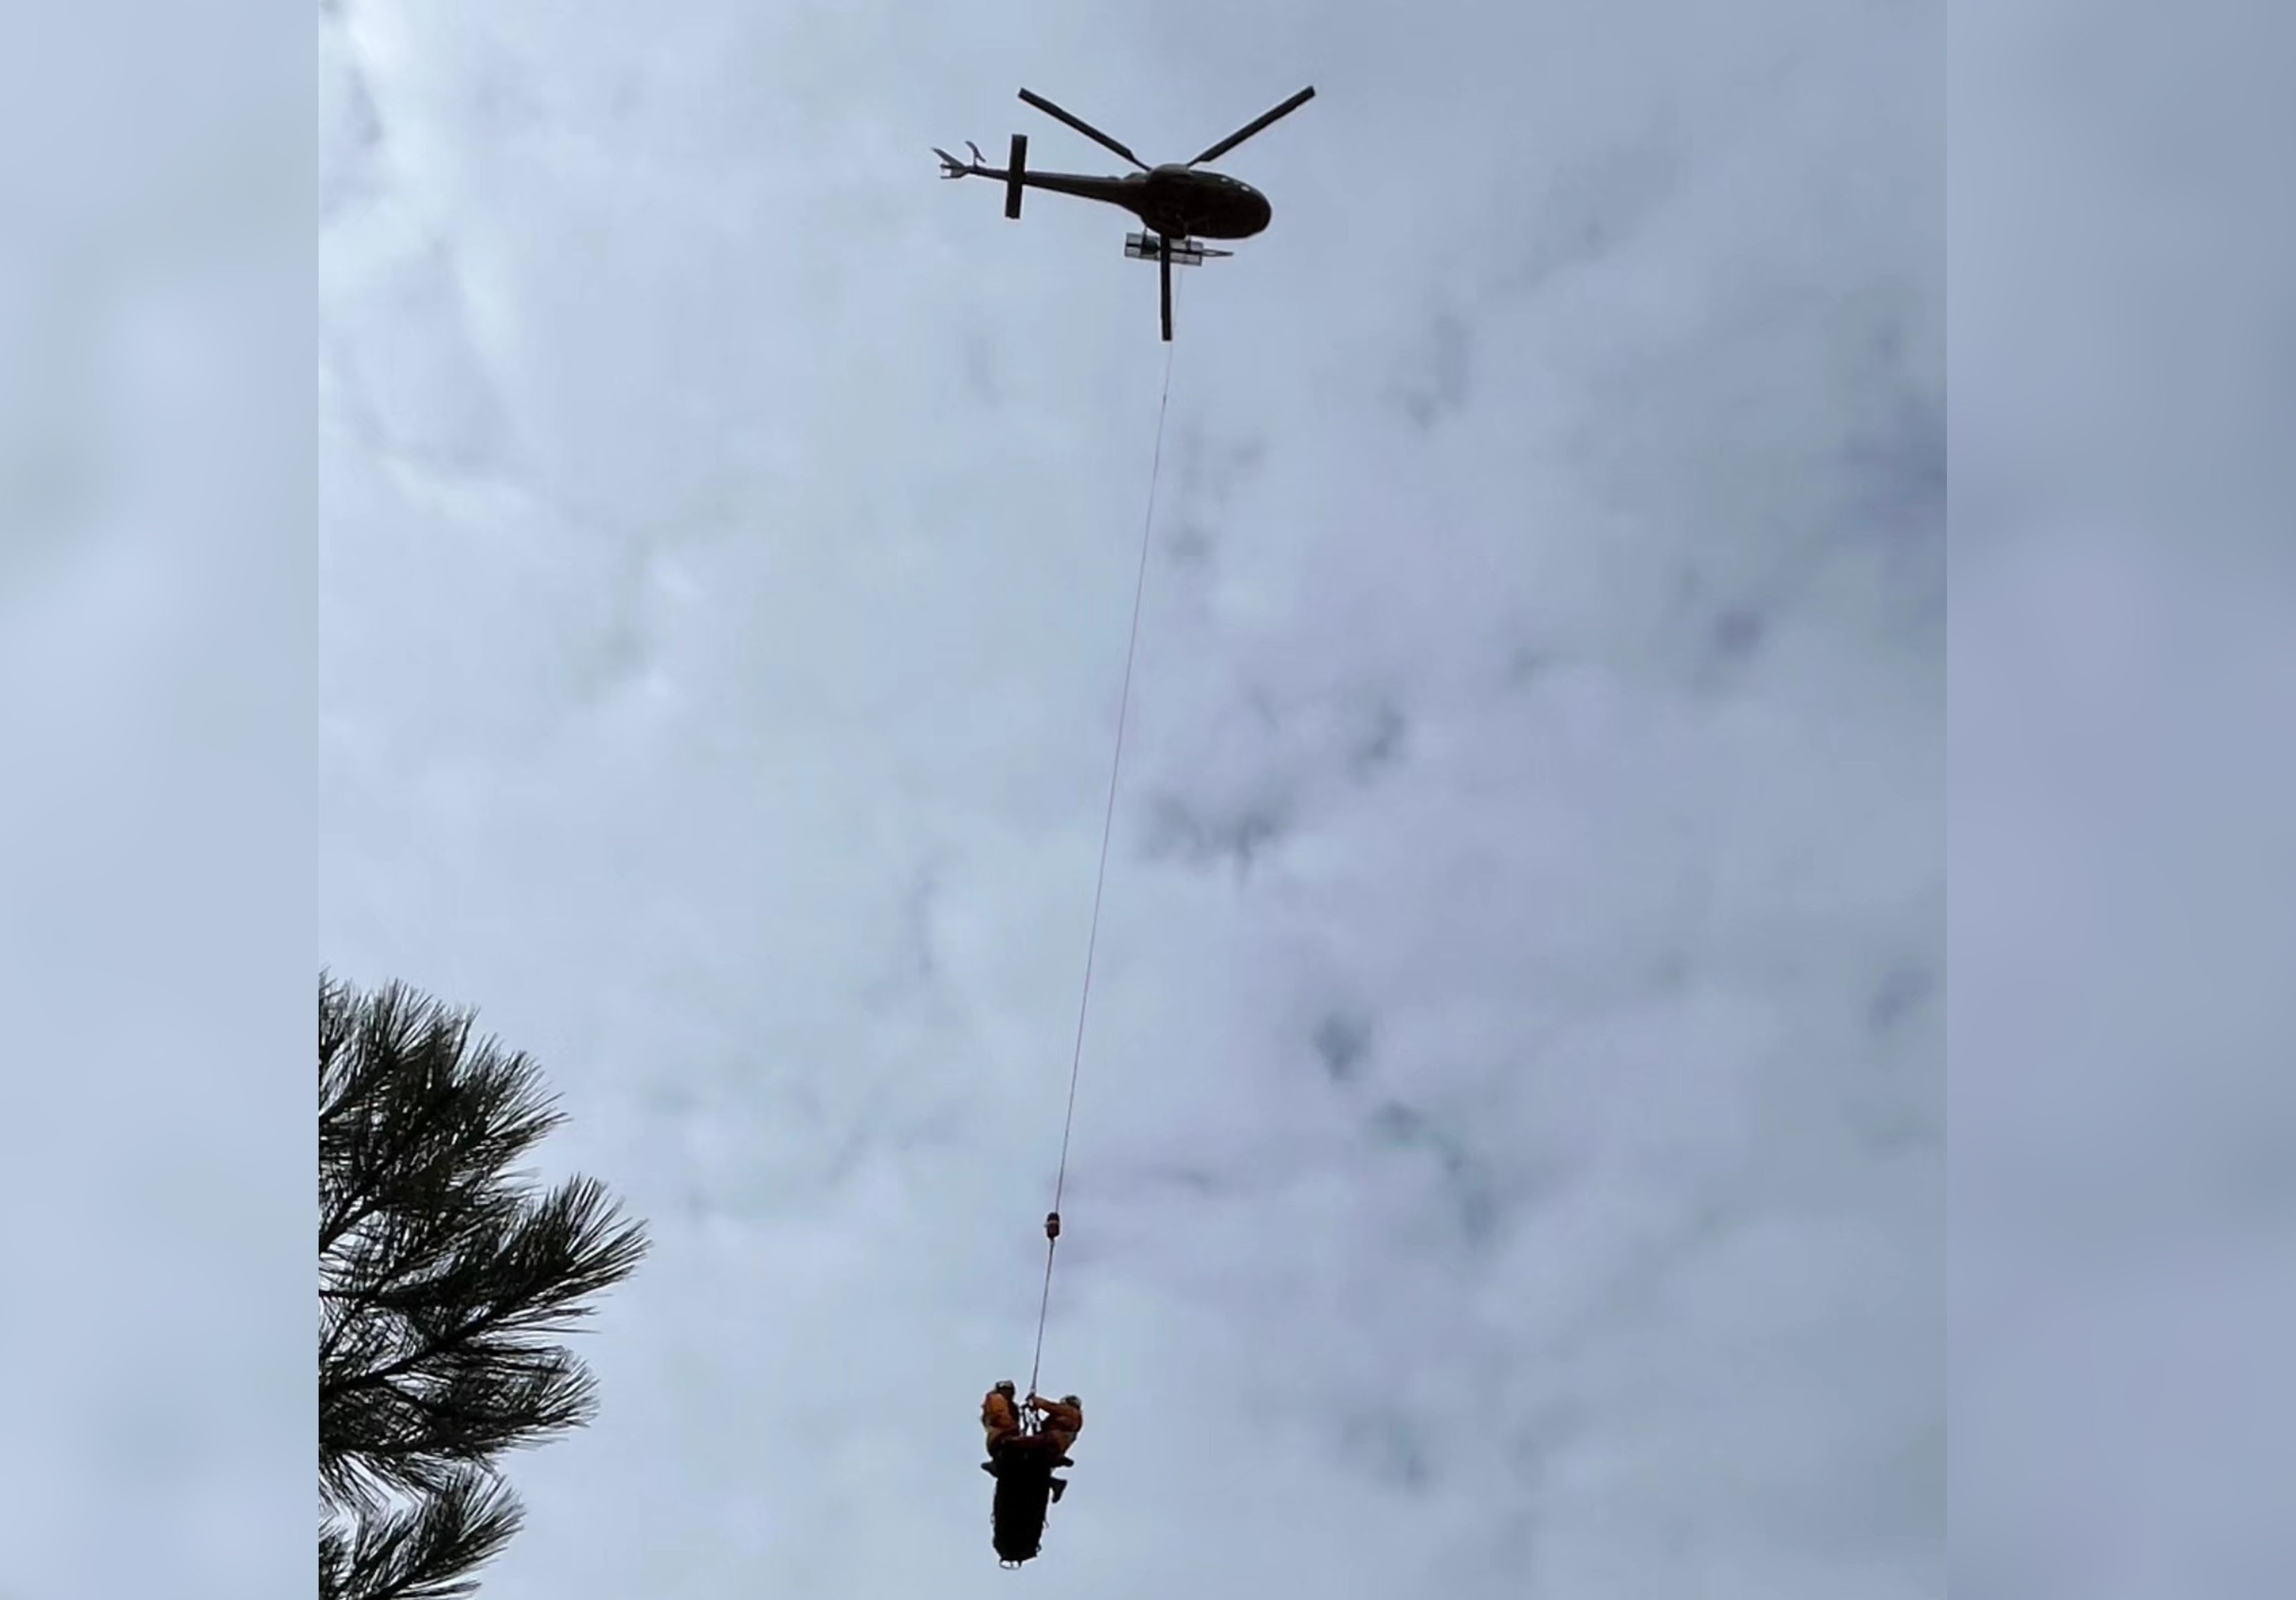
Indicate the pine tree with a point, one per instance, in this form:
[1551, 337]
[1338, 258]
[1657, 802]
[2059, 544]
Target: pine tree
[444, 1274]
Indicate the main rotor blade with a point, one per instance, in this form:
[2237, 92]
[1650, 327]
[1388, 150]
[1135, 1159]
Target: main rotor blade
[1082, 127]
[1255, 125]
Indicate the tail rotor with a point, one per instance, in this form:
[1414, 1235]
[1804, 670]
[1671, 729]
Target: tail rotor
[950, 167]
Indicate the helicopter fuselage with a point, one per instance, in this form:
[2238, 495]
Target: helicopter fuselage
[1179, 203]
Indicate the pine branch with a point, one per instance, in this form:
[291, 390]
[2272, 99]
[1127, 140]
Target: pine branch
[447, 1109]
[531, 1280]
[425, 1551]
[443, 1275]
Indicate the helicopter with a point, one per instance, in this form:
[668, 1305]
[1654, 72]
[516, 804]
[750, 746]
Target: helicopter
[1181, 205]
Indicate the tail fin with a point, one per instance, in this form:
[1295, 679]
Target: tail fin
[1014, 169]
[950, 167]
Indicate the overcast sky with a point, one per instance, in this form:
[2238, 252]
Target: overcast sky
[1509, 1148]
[2123, 1115]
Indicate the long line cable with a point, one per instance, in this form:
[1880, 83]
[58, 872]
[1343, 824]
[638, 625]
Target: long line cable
[1100, 877]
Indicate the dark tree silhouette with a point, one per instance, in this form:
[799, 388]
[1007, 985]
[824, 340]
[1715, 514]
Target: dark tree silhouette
[444, 1275]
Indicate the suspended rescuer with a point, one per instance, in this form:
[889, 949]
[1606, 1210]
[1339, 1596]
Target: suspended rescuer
[1061, 1421]
[1000, 1417]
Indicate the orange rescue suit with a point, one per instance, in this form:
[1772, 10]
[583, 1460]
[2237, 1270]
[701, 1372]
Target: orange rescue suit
[998, 1420]
[1061, 1423]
